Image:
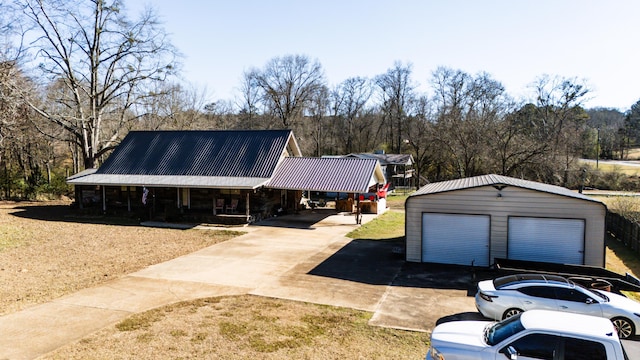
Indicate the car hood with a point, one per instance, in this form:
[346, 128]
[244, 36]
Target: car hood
[620, 302]
[460, 334]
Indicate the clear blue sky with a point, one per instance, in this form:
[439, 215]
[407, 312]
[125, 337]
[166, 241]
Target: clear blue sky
[515, 41]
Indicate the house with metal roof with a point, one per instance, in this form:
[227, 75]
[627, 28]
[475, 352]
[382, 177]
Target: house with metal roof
[473, 221]
[397, 168]
[230, 174]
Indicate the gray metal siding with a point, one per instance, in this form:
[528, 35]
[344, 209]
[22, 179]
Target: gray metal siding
[514, 202]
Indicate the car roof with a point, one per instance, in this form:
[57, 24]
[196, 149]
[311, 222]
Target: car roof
[509, 280]
[568, 323]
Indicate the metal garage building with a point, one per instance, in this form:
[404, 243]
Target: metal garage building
[473, 221]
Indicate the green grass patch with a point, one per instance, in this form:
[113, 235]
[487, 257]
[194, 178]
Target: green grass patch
[389, 225]
[396, 200]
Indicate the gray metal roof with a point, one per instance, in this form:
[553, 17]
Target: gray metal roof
[218, 182]
[198, 153]
[493, 179]
[386, 159]
[234, 159]
[82, 173]
[349, 175]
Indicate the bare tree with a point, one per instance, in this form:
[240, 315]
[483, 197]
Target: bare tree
[516, 148]
[420, 133]
[604, 140]
[24, 154]
[459, 135]
[352, 95]
[630, 135]
[468, 111]
[106, 63]
[397, 92]
[172, 107]
[249, 102]
[318, 112]
[287, 86]
[560, 119]
[219, 115]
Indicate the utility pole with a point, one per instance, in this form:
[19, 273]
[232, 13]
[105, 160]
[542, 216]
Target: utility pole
[598, 147]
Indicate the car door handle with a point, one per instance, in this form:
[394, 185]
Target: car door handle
[563, 307]
[528, 302]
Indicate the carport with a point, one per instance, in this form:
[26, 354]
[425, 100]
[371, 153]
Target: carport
[473, 221]
[341, 175]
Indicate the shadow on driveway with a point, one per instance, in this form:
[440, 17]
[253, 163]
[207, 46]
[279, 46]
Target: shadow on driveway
[418, 296]
[442, 276]
[381, 262]
[302, 220]
[365, 261]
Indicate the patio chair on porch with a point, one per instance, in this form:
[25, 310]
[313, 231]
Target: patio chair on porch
[219, 206]
[234, 205]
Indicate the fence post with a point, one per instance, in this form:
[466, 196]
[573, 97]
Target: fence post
[624, 230]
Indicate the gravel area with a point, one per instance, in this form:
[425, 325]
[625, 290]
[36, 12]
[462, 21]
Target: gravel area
[47, 250]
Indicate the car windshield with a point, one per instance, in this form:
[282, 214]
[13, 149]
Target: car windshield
[593, 292]
[496, 332]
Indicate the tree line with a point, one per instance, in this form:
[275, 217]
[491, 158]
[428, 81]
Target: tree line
[77, 76]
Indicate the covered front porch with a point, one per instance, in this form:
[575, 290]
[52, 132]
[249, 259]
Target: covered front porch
[211, 205]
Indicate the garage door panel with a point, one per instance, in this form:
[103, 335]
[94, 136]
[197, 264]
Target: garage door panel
[549, 240]
[455, 239]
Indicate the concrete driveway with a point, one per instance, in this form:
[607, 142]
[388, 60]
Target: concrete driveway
[297, 257]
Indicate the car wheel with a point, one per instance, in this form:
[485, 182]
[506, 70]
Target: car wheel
[624, 327]
[511, 312]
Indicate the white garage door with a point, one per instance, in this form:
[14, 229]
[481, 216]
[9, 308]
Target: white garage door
[455, 239]
[550, 240]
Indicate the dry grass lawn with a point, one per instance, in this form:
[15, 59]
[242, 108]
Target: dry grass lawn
[247, 327]
[47, 252]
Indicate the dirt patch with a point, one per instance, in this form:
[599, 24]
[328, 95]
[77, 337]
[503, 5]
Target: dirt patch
[47, 250]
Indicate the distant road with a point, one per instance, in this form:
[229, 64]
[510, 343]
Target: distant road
[614, 162]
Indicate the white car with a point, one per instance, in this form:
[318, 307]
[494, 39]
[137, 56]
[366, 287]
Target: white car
[512, 294]
[535, 334]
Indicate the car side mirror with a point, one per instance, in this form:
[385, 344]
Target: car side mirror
[511, 353]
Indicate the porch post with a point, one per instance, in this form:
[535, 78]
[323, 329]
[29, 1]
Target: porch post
[78, 190]
[247, 212]
[358, 215]
[104, 199]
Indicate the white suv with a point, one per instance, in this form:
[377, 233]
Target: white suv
[534, 334]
